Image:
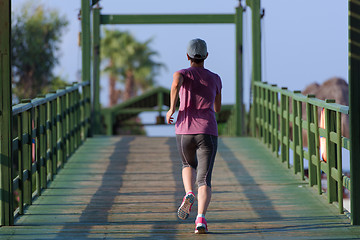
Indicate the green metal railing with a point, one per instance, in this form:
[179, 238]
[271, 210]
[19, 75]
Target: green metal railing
[280, 124]
[46, 132]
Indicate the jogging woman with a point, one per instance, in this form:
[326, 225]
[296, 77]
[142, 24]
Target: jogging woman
[196, 129]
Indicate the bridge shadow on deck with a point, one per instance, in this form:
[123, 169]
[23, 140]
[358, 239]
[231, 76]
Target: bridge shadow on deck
[98, 210]
[101, 206]
[276, 204]
[247, 182]
[166, 227]
[130, 188]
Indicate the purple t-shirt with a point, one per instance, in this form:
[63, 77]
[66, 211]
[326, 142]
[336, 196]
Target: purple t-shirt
[197, 97]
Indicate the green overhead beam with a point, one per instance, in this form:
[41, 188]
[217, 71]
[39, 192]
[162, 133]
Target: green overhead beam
[167, 19]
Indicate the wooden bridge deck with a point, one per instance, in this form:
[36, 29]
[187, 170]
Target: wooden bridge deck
[130, 187]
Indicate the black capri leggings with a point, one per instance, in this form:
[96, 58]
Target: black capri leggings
[198, 151]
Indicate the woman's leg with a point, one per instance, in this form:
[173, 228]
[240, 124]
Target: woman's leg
[207, 147]
[204, 197]
[187, 150]
[189, 178]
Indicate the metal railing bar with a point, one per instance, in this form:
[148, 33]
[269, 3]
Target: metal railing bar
[347, 182]
[273, 107]
[43, 123]
[302, 98]
[26, 175]
[22, 107]
[345, 143]
[34, 168]
[334, 137]
[335, 174]
[16, 183]
[15, 144]
[323, 167]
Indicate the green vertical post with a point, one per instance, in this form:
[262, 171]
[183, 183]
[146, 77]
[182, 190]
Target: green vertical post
[85, 41]
[109, 123]
[43, 146]
[266, 117]
[96, 71]
[283, 145]
[263, 113]
[330, 126]
[301, 153]
[53, 136]
[88, 111]
[60, 137]
[255, 114]
[274, 127]
[27, 153]
[256, 48]
[6, 192]
[160, 104]
[75, 120]
[49, 162]
[67, 123]
[20, 162]
[82, 114]
[311, 141]
[160, 101]
[239, 115]
[339, 163]
[295, 134]
[354, 103]
[63, 126]
[317, 149]
[256, 109]
[277, 124]
[287, 130]
[72, 123]
[78, 118]
[256, 40]
[36, 137]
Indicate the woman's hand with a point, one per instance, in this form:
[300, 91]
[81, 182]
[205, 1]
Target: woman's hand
[169, 118]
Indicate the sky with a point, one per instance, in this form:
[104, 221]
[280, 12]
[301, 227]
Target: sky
[302, 42]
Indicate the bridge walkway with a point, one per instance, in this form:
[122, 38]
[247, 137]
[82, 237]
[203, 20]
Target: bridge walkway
[130, 187]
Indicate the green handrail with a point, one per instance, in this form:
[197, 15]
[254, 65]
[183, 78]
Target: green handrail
[47, 131]
[273, 119]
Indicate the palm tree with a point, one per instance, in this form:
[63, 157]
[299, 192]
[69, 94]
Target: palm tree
[110, 52]
[129, 62]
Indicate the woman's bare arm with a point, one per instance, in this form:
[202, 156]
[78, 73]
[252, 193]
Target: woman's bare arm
[217, 103]
[174, 95]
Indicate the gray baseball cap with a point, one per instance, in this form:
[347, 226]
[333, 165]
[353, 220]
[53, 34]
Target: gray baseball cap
[197, 49]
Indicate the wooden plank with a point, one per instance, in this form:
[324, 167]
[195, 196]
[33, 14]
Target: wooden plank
[131, 187]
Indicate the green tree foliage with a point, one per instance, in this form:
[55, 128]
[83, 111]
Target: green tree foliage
[130, 62]
[36, 33]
